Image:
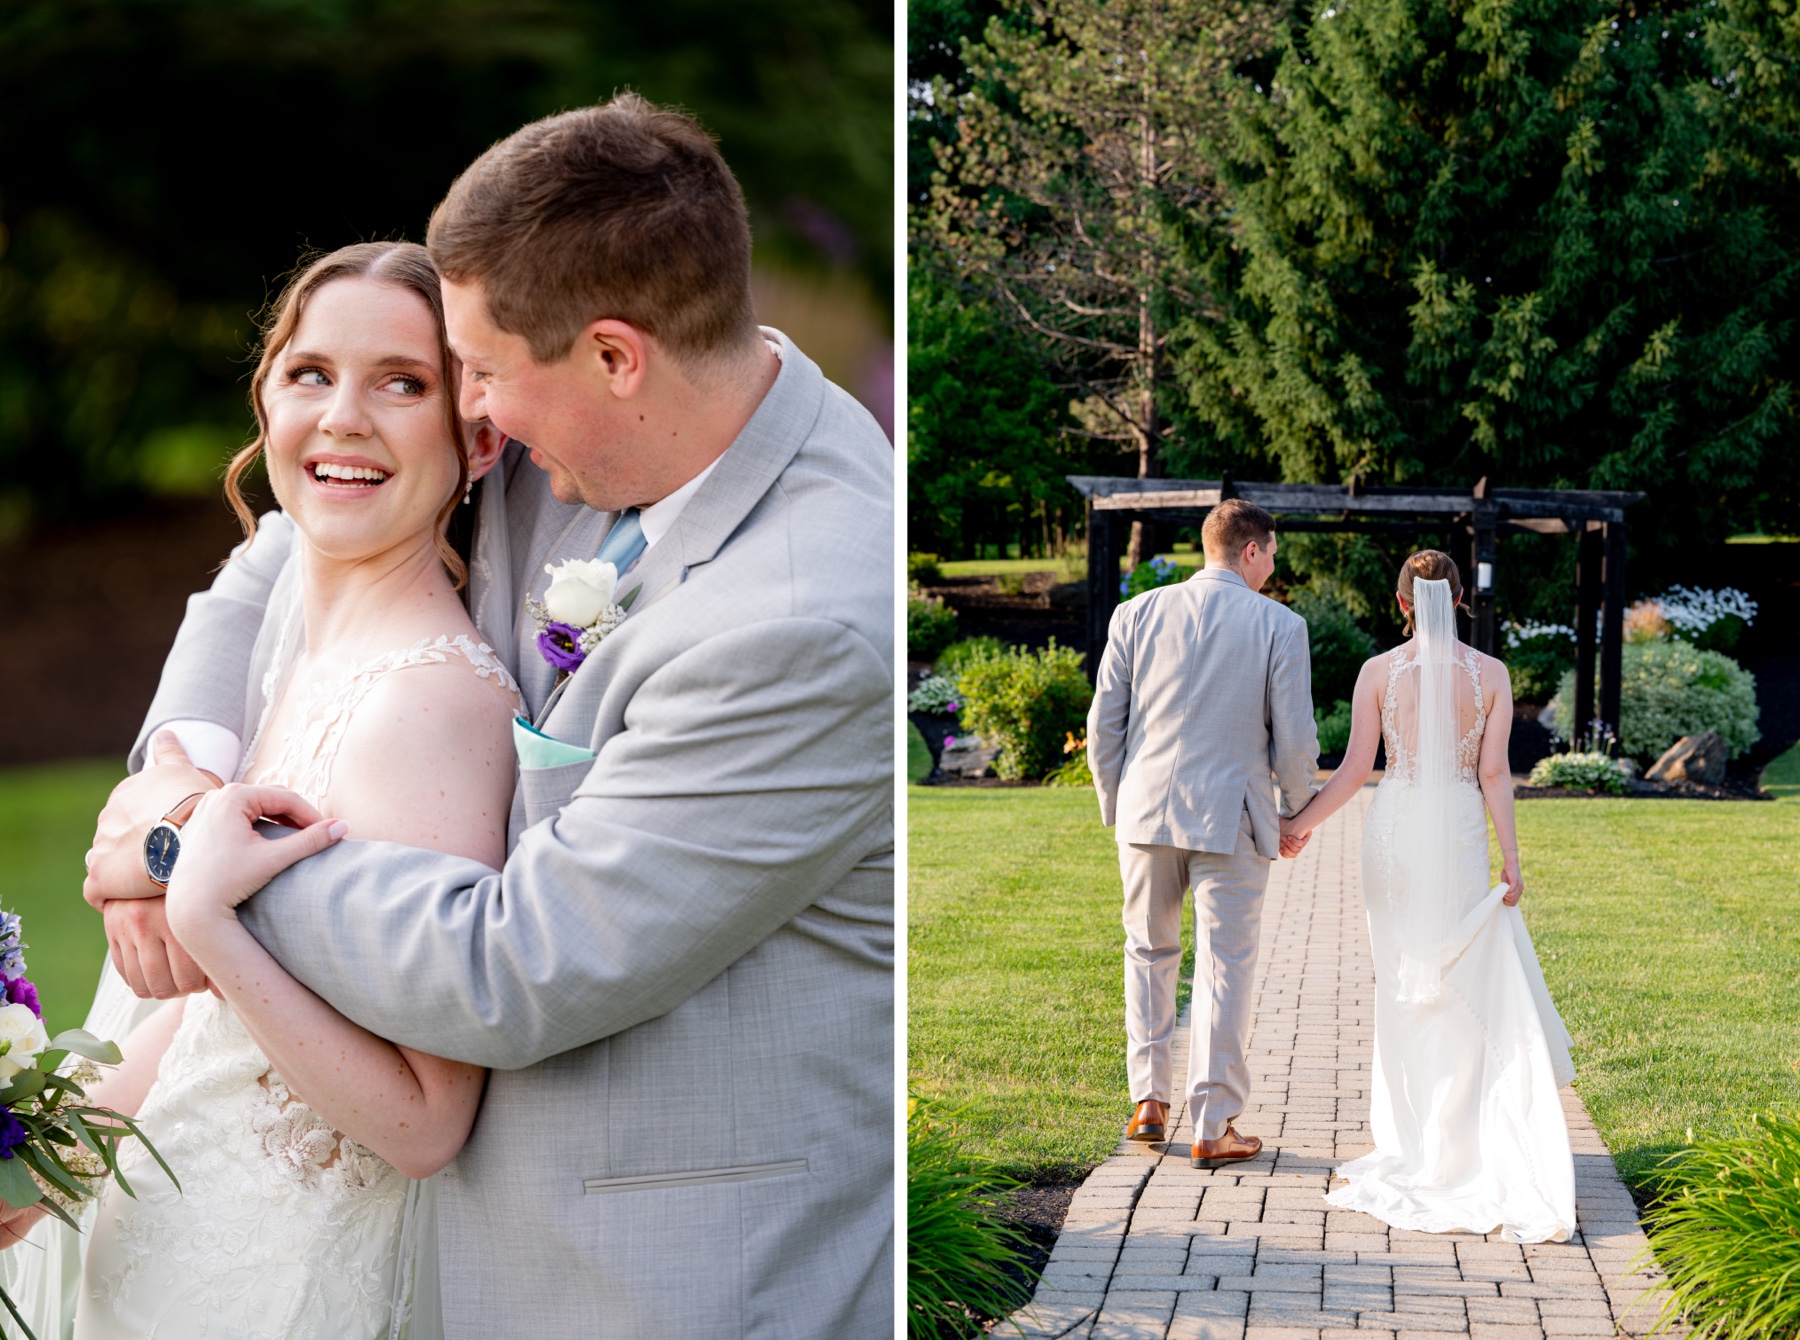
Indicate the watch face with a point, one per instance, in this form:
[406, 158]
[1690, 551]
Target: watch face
[160, 850]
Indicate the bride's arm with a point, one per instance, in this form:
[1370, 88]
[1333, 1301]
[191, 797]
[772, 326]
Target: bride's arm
[1359, 755]
[427, 761]
[1496, 773]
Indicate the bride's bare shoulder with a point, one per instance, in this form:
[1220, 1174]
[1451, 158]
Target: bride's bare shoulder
[427, 759]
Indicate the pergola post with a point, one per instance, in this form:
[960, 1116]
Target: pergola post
[1612, 628]
[1484, 636]
[1104, 540]
[1587, 613]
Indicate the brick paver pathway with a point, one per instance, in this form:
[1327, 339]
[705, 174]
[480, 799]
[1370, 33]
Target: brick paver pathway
[1155, 1248]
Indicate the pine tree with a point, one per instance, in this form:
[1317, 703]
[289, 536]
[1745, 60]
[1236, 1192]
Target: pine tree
[1076, 181]
[1496, 238]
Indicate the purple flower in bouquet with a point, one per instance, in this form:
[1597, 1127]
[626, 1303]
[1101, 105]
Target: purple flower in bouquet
[12, 1134]
[560, 644]
[19, 991]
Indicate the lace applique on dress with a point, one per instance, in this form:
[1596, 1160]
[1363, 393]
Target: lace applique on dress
[1468, 749]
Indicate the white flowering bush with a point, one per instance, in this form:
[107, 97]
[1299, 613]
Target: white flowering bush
[1707, 618]
[934, 694]
[1580, 772]
[1672, 689]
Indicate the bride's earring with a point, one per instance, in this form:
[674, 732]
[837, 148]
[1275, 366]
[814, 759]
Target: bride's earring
[468, 493]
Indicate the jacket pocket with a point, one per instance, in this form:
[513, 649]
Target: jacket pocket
[544, 791]
[748, 1172]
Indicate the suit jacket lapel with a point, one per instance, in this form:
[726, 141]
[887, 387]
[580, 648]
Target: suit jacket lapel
[580, 538]
[740, 480]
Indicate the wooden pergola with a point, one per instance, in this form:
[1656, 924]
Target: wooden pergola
[1483, 513]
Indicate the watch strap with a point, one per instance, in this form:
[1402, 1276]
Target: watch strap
[184, 809]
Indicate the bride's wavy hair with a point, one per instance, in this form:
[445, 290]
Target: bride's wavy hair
[1429, 565]
[406, 265]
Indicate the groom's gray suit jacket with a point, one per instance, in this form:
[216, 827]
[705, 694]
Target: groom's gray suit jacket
[683, 977]
[1203, 696]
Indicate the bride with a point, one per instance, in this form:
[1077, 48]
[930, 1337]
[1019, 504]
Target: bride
[1469, 1051]
[299, 1137]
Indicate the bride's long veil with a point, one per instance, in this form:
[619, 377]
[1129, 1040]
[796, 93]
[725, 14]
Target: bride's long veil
[1424, 842]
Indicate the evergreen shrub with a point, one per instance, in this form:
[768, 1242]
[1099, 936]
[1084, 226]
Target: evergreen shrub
[1339, 646]
[953, 659]
[1334, 727]
[930, 624]
[1027, 703]
[1672, 689]
[923, 568]
[1537, 657]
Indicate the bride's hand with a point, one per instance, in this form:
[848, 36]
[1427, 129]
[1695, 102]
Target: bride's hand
[1294, 837]
[224, 859]
[1514, 881]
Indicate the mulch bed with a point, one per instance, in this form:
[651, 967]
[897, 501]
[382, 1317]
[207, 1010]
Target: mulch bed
[1637, 788]
[1038, 1211]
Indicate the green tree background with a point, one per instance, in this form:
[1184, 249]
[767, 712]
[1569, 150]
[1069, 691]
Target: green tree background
[164, 162]
[1549, 242]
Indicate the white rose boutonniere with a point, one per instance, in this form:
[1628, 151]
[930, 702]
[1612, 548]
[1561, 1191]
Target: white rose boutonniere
[578, 610]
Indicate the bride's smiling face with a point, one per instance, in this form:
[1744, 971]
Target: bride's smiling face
[359, 449]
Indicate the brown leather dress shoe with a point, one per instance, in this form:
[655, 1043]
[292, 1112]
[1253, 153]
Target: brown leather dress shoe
[1149, 1122]
[1228, 1148]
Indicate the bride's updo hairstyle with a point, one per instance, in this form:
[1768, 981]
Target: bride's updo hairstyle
[405, 265]
[1432, 566]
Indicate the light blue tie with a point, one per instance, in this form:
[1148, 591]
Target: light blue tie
[624, 542]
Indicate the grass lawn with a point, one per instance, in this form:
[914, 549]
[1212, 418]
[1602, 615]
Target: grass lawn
[1072, 570]
[1013, 973]
[1666, 931]
[46, 822]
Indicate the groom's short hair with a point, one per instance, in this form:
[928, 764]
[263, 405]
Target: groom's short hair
[624, 210]
[1233, 524]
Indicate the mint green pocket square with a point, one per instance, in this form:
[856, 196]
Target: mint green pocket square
[538, 750]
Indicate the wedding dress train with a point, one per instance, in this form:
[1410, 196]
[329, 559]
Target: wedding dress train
[1469, 1050]
[282, 1226]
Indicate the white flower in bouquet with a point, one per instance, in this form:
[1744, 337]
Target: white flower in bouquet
[22, 1038]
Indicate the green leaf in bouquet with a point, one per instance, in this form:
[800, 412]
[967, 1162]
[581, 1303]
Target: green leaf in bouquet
[51, 1169]
[28, 1083]
[82, 1133]
[17, 1188]
[144, 1140]
[84, 1043]
[29, 1333]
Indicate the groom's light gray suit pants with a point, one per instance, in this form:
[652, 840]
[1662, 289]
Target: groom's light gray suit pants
[1228, 895]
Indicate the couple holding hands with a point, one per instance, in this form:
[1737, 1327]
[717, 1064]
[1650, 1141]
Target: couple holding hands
[1203, 696]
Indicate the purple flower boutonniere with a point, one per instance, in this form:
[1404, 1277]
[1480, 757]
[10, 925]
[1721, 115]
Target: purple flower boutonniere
[578, 611]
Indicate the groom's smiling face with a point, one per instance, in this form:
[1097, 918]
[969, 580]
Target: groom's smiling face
[577, 415]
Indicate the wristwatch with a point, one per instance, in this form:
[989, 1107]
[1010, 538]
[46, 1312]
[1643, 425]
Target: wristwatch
[162, 844]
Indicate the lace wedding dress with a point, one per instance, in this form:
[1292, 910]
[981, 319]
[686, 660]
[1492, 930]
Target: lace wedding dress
[1469, 1050]
[282, 1227]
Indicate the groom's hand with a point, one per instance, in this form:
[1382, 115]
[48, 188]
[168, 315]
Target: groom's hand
[116, 861]
[145, 953]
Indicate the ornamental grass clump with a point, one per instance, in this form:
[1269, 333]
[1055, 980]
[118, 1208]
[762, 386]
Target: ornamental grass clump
[963, 1261]
[1580, 772]
[1027, 703]
[1727, 1233]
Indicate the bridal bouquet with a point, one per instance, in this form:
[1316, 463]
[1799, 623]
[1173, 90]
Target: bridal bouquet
[55, 1149]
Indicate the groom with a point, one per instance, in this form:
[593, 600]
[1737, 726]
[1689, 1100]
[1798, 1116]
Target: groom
[682, 979]
[1203, 697]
